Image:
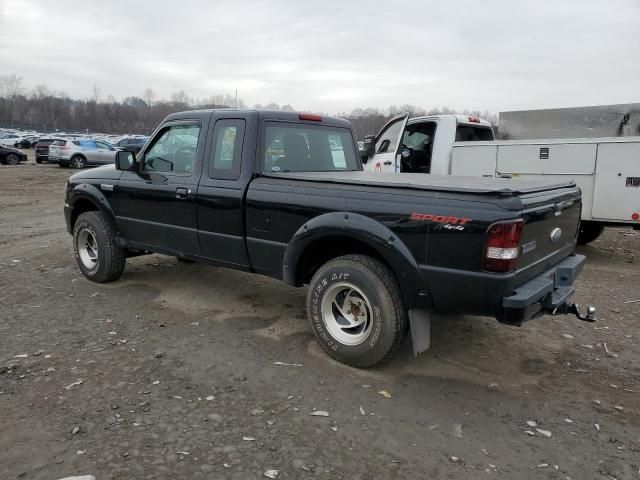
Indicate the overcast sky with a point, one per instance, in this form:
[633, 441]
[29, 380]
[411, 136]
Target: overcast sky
[332, 56]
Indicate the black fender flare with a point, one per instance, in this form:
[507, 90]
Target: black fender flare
[86, 191]
[372, 233]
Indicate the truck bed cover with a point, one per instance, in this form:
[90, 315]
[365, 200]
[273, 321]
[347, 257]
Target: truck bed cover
[420, 181]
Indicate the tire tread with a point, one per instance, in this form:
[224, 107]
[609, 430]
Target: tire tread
[114, 256]
[395, 296]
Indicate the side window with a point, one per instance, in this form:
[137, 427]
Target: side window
[225, 159]
[103, 146]
[173, 149]
[90, 144]
[388, 141]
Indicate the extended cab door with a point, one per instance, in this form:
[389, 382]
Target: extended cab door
[387, 144]
[156, 205]
[227, 169]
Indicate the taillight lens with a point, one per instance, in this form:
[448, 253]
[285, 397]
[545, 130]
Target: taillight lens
[502, 246]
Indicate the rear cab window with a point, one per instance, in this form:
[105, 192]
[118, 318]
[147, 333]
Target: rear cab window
[307, 148]
[473, 133]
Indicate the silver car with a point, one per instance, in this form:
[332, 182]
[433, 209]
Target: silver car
[81, 153]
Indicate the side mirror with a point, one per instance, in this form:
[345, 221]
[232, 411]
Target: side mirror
[125, 160]
[369, 148]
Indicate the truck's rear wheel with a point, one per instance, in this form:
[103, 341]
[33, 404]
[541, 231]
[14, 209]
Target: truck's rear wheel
[589, 231]
[94, 242]
[356, 310]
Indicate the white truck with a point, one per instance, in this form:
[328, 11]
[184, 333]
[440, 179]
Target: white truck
[606, 169]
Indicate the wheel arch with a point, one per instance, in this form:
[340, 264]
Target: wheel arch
[87, 198]
[335, 234]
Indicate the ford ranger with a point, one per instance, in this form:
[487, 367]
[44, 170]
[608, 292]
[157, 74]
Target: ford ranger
[284, 194]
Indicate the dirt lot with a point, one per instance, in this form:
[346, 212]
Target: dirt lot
[170, 373]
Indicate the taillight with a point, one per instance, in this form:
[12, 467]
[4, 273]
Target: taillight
[502, 246]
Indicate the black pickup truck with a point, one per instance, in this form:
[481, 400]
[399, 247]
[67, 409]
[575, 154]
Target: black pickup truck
[283, 194]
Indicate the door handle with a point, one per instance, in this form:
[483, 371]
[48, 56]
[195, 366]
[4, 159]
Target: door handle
[182, 193]
[388, 163]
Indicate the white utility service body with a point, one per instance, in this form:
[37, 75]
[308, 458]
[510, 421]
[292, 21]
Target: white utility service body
[606, 169]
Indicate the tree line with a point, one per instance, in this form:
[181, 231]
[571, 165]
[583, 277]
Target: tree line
[44, 109]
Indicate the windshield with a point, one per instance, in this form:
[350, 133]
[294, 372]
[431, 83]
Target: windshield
[308, 148]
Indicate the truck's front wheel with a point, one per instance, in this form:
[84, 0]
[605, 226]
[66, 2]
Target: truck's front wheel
[356, 310]
[94, 242]
[589, 231]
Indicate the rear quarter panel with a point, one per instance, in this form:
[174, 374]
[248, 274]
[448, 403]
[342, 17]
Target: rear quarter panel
[277, 208]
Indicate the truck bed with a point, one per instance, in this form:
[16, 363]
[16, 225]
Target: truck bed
[443, 183]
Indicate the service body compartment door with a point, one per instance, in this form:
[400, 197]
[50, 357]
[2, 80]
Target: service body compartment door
[547, 159]
[474, 160]
[617, 185]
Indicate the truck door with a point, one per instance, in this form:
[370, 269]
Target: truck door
[156, 205]
[386, 146]
[221, 230]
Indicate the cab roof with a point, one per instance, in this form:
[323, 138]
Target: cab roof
[459, 118]
[297, 117]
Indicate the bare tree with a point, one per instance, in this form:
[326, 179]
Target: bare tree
[180, 98]
[11, 86]
[149, 96]
[42, 91]
[96, 93]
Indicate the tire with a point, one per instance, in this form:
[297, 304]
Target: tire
[380, 323]
[38, 161]
[589, 231]
[78, 161]
[98, 256]
[13, 159]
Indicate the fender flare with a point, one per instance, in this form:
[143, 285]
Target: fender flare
[372, 233]
[86, 191]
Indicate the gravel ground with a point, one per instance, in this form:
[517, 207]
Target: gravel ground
[171, 373]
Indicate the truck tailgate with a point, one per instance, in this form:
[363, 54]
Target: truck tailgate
[549, 231]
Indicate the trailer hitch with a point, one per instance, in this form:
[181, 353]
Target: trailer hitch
[574, 308]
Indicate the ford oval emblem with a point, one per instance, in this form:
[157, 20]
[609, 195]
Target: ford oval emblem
[556, 235]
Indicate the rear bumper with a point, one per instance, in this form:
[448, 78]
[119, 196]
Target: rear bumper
[545, 293]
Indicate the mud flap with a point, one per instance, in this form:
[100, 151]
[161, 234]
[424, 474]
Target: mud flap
[420, 323]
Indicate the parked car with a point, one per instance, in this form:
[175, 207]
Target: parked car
[131, 144]
[29, 141]
[42, 149]
[379, 252]
[11, 156]
[9, 139]
[81, 153]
